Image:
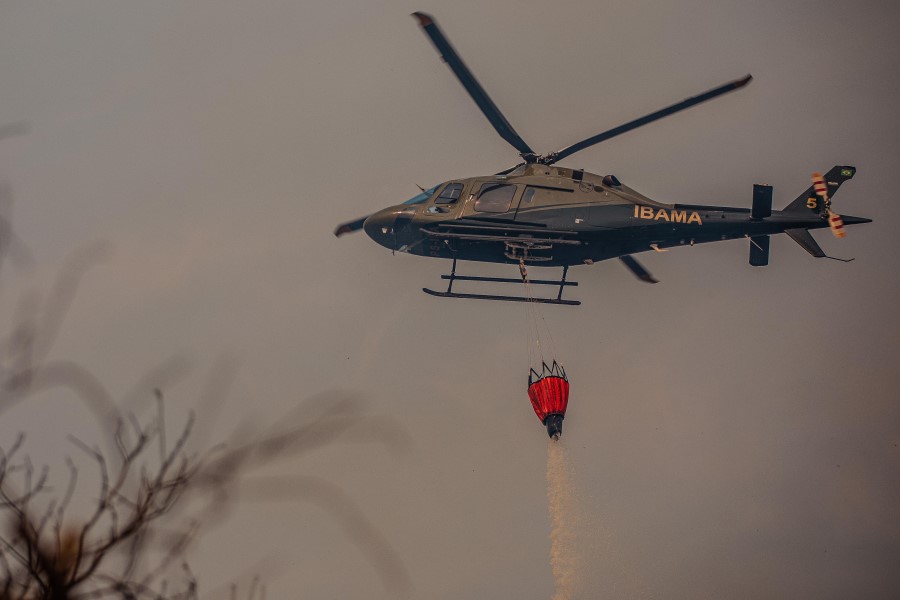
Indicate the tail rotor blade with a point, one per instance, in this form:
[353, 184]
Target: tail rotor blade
[821, 189]
[836, 224]
[834, 220]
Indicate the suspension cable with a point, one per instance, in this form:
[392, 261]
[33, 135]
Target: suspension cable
[537, 323]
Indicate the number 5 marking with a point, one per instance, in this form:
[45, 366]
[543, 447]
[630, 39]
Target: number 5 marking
[810, 203]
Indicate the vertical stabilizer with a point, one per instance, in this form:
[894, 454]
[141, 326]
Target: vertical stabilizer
[810, 202]
[762, 201]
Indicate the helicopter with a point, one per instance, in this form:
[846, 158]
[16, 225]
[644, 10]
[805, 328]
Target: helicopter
[539, 214]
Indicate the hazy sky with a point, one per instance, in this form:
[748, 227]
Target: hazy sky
[734, 431]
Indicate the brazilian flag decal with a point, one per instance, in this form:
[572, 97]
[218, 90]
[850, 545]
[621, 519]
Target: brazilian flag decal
[847, 172]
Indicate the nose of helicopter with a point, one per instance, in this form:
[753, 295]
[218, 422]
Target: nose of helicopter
[380, 227]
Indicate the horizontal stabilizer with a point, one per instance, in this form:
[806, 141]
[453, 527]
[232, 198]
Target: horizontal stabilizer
[806, 241]
[637, 269]
[759, 250]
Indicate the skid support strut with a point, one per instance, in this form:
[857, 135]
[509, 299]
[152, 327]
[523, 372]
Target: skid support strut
[562, 282]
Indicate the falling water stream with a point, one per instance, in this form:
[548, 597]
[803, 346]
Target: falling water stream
[562, 506]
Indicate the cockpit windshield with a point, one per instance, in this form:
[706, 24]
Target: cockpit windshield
[423, 196]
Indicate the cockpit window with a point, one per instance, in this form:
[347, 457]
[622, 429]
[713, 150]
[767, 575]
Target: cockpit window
[422, 197]
[450, 194]
[495, 197]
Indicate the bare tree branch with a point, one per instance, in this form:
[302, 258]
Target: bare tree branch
[153, 498]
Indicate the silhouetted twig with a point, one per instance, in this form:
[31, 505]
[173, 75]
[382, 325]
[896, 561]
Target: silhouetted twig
[154, 496]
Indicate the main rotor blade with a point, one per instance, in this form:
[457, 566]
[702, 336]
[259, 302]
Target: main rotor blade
[601, 137]
[637, 269]
[471, 84]
[509, 170]
[349, 227]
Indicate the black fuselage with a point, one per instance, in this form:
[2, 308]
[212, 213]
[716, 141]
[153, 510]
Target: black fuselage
[552, 216]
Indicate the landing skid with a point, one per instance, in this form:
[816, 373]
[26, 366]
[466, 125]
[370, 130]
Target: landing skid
[503, 298]
[562, 283]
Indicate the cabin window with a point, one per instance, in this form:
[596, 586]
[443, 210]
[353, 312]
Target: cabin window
[539, 196]
[528, 196]
[450, 194]
[495, 197]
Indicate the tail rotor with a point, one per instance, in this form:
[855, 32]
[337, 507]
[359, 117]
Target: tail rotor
[834, 220]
